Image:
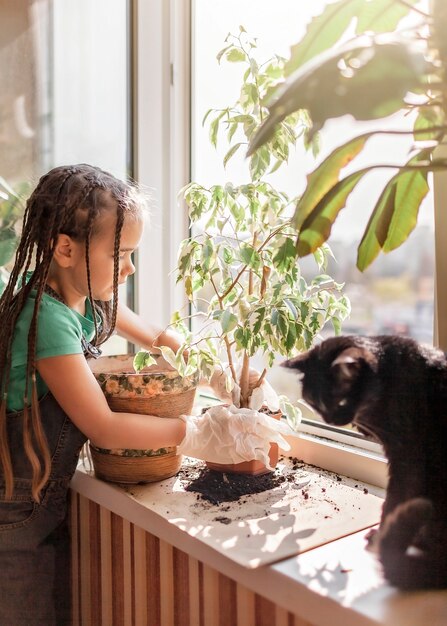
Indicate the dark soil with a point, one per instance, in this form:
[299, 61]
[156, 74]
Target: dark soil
[217, 487]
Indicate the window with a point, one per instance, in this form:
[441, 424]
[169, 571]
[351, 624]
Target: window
[65, 94]
[396, 294]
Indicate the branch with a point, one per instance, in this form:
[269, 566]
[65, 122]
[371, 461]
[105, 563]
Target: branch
[260, 379]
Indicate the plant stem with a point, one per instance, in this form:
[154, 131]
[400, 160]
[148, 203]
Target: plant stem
[260, 379]
[244, 381]
[226, 340]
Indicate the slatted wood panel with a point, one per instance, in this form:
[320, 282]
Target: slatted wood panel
[124, 576]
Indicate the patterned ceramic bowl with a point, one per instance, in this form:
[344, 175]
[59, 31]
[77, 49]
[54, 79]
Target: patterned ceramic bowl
[156, 390]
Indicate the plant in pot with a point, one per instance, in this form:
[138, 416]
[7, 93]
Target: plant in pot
[240, 266]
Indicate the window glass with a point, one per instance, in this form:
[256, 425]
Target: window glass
[64, 94]
[394, 295]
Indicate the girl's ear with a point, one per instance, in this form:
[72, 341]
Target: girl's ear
[64, 250]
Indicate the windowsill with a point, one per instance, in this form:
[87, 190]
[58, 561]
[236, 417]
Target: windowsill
[339, 579]
[366, 466]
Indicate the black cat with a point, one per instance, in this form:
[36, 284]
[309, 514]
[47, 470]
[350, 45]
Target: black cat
[393, 390]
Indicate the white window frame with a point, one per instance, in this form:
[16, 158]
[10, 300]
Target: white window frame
[162, 141]
[161, 96]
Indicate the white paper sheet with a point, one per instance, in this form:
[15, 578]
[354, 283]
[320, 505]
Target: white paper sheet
[310, 508]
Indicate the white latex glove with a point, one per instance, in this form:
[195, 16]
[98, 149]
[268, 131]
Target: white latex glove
[228, 434]
[264, 394]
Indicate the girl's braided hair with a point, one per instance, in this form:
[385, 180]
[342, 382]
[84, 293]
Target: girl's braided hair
[67, 200]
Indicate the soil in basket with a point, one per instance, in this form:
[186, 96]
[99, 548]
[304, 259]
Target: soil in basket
[217, 487]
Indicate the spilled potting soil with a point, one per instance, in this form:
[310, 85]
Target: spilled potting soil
[218, 487]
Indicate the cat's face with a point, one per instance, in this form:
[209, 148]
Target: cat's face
[334, 375]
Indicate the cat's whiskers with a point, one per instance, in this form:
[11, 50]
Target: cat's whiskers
[366, 428]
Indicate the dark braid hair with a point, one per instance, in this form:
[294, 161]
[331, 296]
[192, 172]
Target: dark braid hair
[68, 200]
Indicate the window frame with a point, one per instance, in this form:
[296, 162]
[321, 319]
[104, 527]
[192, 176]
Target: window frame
[162, 112]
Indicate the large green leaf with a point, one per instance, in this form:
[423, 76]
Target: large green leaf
[367, 78]
[378, 16]
[396, 211]
[317, 226]
[382, 16]
[411, 188]
[370, 246]
[323, 32]
[323, 178]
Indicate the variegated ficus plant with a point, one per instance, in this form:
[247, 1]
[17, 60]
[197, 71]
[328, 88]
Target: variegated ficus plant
[396, 61]
[240, 267]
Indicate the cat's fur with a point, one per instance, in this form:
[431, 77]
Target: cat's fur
[394, 390]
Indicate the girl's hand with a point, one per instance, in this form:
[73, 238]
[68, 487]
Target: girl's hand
[227, 434]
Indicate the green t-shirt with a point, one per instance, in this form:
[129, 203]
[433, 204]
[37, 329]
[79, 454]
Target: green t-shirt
[59, 332]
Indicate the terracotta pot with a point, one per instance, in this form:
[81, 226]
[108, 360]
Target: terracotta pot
[255, 468]
[156, 390]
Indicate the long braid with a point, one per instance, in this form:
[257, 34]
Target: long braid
[119, 228]
[44, 256]
[88, 235]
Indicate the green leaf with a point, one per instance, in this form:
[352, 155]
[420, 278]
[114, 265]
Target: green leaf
[370, 246]
[286, 255]
[336, 323]
[205, 117]
[214, 129]
[411, 189]
[228, 321]
[143, 359]
[250, 256]
[231, 152]
[283, 324]
[292, 308]
[207, 253]
[291, 338]
[427, 118]
[395, 214]
[323, 178]
[222, 52]
[228, 255]
[317, 226]
[169, 356]
[382, 16]
[259, 163]
[236, 56]
[323, 32]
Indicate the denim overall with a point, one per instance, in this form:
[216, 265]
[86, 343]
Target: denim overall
[35, 570]
[34, 541]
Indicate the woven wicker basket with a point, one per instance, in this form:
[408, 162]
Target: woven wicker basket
[130, 470]
[156, 390]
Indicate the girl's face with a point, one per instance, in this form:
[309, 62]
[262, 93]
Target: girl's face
[101, 255]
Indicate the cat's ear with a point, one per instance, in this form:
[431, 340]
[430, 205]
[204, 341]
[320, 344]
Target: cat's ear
[298, 362]
[349, 361]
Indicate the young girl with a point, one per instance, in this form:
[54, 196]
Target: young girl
[80, 228]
